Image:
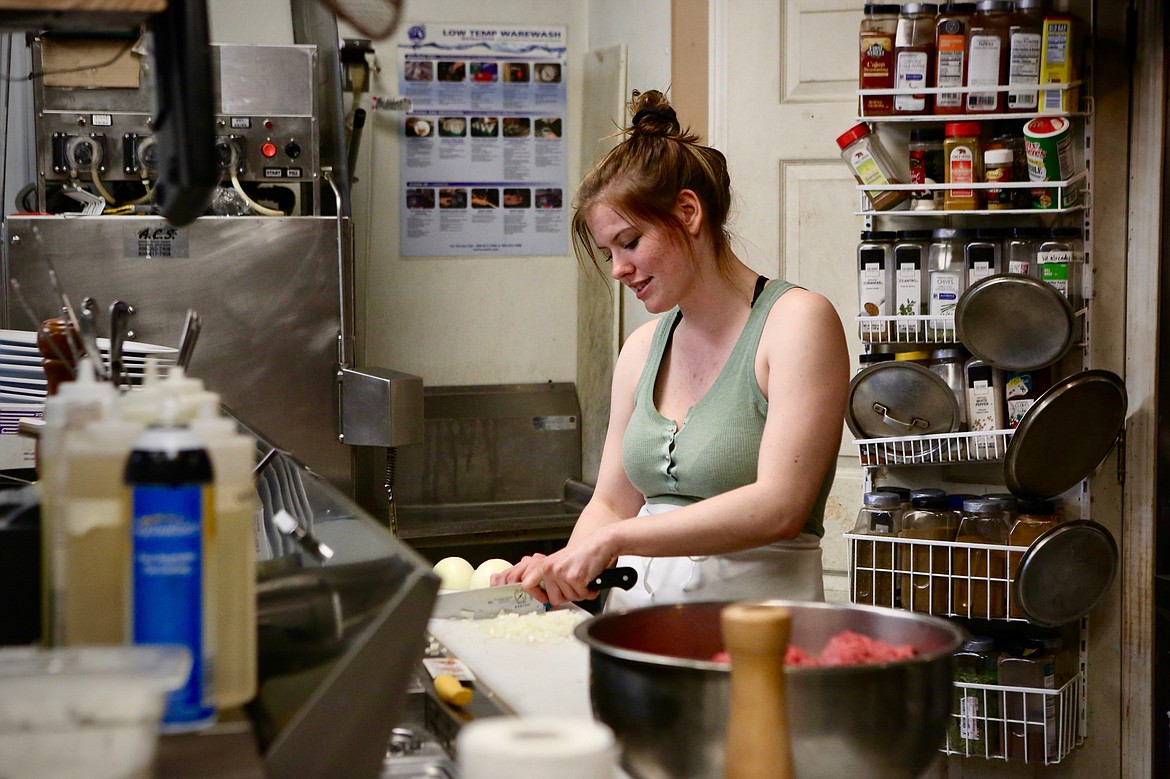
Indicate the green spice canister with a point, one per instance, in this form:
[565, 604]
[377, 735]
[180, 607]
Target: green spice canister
[1048, 147]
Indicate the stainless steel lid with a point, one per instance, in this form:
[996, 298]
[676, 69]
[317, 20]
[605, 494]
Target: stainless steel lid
[1065, 572]
[900, 399]
[1015, 322]
[1065, 435]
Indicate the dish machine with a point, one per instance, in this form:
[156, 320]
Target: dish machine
[270, 273]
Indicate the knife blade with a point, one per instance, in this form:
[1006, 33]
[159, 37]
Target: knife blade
[488, 602]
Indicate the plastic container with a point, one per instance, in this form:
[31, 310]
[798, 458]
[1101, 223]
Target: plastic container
[926, 166]
[981, 256]
[963, 164]
[1032, 732]
[926, 588]
[84, 712]
[1025, 53]
[948, 364]
[871, 164]
[999, 168]
[233, 456]
[1020, 250]
[1060, 258]
[173, 554]
[914, 57]
[1034, 518]
[950, 43]
[987, 56]
[976, 727]
[946, 281]
[875, 283]
[910, 280]
[876, 63]
[880, 515]
[979, 588]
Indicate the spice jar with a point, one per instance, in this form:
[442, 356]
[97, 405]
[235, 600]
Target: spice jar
[999, 168]
[875, 283]
[962, 160]
[1034, 519]
[976, 727]
[1060, 258]
[871, 164]
[914, 57]
[1020, 250]
[987, 54]
[985, 406]
[981, 255]
[1025, 35]
[980, 575]
[948, 364]
[926, 586]
[950, 43]
[945, 281]
[873, 358]
[926, 167]
[1021, 390]
[1032, 732]
[876, 65]
[910, 281]
[873, 563]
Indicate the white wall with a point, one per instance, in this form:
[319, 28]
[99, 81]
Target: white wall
[16, 120]
[463, 320]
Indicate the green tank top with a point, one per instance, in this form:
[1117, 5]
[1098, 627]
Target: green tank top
[718, 447]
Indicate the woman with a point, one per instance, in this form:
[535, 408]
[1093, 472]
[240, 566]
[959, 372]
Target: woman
[726, 412]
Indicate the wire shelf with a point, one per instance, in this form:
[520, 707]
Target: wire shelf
[935, 448]
[923, 329]
[943, 578]
[1028, 724]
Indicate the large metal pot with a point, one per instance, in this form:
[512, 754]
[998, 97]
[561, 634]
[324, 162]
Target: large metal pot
[653, 681]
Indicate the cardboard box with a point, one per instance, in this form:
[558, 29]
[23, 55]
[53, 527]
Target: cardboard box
[1058, 66]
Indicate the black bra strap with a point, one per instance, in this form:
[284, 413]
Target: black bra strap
[760, 282]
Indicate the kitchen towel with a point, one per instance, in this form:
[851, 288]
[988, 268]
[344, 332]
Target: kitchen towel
[536, 748]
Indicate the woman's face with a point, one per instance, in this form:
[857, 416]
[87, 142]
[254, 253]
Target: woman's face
[641, 257]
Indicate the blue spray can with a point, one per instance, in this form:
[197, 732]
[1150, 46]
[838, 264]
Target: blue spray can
[173, 538]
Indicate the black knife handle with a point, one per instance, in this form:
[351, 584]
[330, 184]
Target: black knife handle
[623, 578]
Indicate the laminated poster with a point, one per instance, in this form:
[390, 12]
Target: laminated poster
[483, 162]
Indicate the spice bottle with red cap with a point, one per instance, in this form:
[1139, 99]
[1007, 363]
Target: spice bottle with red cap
[963, 164]
[871, 164]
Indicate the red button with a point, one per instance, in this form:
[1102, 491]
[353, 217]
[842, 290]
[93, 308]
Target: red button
[268, 150]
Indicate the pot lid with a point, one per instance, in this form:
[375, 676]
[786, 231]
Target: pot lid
[1015, 322]
[1065, 572]
[900, 399]
[1065, 435]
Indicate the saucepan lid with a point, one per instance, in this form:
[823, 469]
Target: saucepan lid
[1065, 572]
[1065, 435]
[900, 399]
[1015, 322]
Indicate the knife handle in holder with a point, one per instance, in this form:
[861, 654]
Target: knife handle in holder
[623, 578]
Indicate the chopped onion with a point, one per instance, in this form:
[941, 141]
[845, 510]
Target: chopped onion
[537, 628]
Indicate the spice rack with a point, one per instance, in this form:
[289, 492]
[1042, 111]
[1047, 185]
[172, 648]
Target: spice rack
[961, 580]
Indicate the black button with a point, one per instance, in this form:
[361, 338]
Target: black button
[293, 150]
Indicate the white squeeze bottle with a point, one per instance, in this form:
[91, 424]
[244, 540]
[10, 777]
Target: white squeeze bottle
[75, 404]
[96, 534]
[233, 456]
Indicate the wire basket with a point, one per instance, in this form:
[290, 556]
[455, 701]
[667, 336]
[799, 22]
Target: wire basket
[977, 446]
[1029, 724]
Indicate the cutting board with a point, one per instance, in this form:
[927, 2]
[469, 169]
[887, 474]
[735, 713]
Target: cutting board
[533, 679]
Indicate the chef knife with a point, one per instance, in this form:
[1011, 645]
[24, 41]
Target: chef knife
[488, 602]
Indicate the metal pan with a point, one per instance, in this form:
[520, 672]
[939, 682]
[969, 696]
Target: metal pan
[1065, 435]
[1015, 322]
[1065, 573]
[900, 399]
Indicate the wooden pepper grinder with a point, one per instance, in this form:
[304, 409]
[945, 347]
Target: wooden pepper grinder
[758, 747]
[59, 346]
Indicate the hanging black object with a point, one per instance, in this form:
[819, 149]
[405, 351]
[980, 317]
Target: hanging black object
[184, 115]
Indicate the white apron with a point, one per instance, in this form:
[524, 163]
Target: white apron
[790, 570]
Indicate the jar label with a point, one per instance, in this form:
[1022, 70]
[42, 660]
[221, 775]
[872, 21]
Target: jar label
[984, 57]
[1024, 68]
[912, 67]
[969, 717]
[949, 71]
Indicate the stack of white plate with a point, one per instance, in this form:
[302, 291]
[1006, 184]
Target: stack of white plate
[22, 379]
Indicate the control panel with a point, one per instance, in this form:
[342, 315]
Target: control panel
[266, 126]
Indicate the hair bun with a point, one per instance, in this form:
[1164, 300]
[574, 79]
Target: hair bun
[653, 115]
